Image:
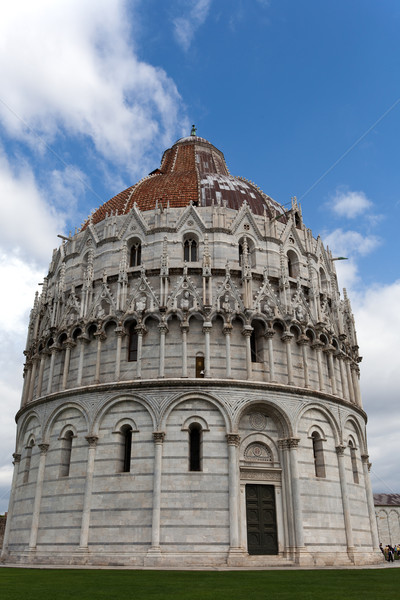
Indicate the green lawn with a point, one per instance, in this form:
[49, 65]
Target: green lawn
[57, 584]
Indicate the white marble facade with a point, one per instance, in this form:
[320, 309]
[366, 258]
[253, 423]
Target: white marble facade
[247, 341]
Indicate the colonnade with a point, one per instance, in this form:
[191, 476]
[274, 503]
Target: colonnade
[343, 381]
[293, 533]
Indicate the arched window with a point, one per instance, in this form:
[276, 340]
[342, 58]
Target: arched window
[318, 451]
[28, 458]
[323, 279]
[353, 458]
[200, 366]
[293, 264]
[195, 447]
[190, 250]
[251, 249]
[126, 448]
[66, 450]
[256, 345]
[135, 258]
[132, 343]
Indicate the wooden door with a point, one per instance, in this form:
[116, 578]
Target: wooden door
[262, 535]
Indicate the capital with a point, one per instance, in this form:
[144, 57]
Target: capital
[91, 440]
[340, 449]
[43, 448]
[158, 437]
[233, 439]
[16, 457]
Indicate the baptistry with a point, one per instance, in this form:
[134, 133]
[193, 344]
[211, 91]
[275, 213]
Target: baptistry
[191, 388]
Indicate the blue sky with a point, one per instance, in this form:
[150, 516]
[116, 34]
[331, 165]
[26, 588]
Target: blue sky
[302, 97]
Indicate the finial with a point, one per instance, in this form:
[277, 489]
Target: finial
[193, 132]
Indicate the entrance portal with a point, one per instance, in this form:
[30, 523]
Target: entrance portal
[262, 535]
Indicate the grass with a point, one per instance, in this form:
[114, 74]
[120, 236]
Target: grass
[68, 584]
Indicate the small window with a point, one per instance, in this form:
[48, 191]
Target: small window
[190, 250]
[195, 447]
[66, 450]
[318, 451]
[28, 458]
[199, 366]
[126, 448]
[256, 343]
[293, 264]
[136, 255]
[132, 344]
[353, 457]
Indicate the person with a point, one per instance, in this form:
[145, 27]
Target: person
[390, 554]
[381, 548]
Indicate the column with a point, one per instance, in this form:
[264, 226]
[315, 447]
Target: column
[247, 331]
[119, 332]
[68, 345]
[345, 388]
[287, 496]
[370, 501]
[269, 335]
[87, 501]
[140, 330]
[27, 380]
[206, 330]
[330, 352]
[349, 380]
[355, 371]
[158, 438]
[16, 462]
[101, 336]
[233, 440]
[41, 371]
[296, 498]
[38, 497]
[345, 501]
[53, 350]
[303, 342]
[32, 377]
[184, 329]
[163, 330]
[317, 345]
[83, 340]
[286, 339]
[227, 330]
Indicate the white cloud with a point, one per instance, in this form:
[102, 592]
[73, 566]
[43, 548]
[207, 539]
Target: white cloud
[377, 318]
[346, 243]
[350, 204]
[186, 26]
[74, 70]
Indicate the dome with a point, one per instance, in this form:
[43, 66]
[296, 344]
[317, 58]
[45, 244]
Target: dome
[192, 170]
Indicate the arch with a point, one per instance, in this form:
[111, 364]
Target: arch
[319, 430]
[293, 263]
[195, 418]
[23, 426]
[282, 419]
[57, 412]
[62, 337]
[65, 429]
[196, 395]
[111, 402]
[260, 438]
[360, 434]
[328, 415]
[125, 421]
[125, 448]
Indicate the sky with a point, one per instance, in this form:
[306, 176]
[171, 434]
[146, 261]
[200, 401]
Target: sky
[303, 98]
